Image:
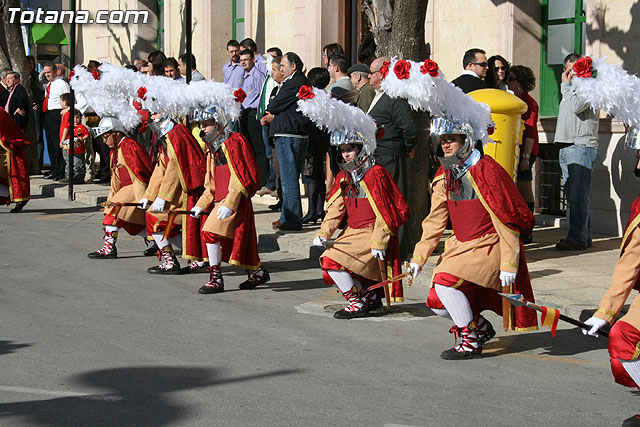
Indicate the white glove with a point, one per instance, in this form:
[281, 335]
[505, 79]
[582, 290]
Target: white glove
[507, 278]
[196, 211]
[415, 269]
[144, 203]
[224, 212]
[318, 241]
[596, 324]
[378, 253]
[158, 205]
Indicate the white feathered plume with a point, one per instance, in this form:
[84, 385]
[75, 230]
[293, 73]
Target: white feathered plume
[424, 87]
[334, 115]
[157, 94]
[103, 102]
[612, 89]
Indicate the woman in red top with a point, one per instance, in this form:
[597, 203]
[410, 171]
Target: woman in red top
[521, 81]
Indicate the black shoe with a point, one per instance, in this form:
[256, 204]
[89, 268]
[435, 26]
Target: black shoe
[48, 176]
[275, 207]
[18, 207]
[251, 283]
[452, 354]
[568, 245]
[216, 289]
[343, 314]
[632, 421]
[151, 250]
[161, 269]
[286, 227]
[486, 337]
[63, 179]
[310, 218]
[99, 255]
[78, 180]
[526, 239]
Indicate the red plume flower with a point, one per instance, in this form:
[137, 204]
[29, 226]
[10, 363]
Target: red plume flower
[142, 93]
[306, 92]
[402, 69]
[384, 70]
[137, 105]
[583, 68]
[96, 74]
[430, 67]
[71, 74]
[240, 95]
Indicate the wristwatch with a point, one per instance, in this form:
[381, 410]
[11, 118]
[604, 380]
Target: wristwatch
[526, 156]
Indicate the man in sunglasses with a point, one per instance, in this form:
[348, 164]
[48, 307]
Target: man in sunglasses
[475, 66]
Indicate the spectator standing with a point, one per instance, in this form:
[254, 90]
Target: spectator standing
[261, 61]
[4, 92]
[475, 66]
[17, 104]
[313, 172]
[291, 132]
[232, 72]
[156, 63]
[496, 77]
[521, 81]
[51, 108]
[172, 69]
[342, 89]
[577, 126]
[265, 96]
[359, 75]
[182, 65]
[252, 83]
[37, 92]
[329, 50]
[65, 141]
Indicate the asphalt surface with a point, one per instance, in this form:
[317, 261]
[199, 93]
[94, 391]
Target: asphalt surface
[91, 343]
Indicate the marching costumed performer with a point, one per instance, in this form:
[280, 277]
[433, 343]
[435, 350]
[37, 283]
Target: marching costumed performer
[610, 88]
[487, 213]
[366, 197]
[229, 233]
[14, 170]
[130, 164]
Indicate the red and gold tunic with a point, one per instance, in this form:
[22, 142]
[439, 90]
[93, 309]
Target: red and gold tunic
[372, 223]
[178, 178]
[131, 169]
[486, 239]
[14, 170]
[231, 180]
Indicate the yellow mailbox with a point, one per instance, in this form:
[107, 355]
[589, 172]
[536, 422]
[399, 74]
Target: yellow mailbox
[506, 112]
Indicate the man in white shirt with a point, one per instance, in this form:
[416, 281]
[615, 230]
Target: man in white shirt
[51, 108]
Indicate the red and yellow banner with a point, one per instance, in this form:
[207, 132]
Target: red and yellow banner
[550, 318]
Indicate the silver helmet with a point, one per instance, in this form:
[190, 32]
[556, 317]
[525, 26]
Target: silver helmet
[443, 126]
[363, 161]
[216, 137]
[632, 138]
[161, 126]
[108, 124]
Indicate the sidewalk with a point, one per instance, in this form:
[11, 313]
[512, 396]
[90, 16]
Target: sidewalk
[572, 281]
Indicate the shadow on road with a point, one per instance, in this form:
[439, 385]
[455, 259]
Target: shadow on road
[8, 347]
[567, 342]
[137, 396]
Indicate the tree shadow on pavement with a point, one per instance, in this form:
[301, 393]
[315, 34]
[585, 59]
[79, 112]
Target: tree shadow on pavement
[137, 396]
[568, 342]
[8, 347]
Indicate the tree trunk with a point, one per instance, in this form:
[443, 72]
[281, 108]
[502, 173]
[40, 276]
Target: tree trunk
[398, 29]
[18, 62]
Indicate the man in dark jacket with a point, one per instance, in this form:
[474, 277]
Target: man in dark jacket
[17, 104]
[290, 129]
[475, 66]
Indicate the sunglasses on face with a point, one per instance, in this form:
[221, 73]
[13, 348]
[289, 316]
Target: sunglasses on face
[500, 68]
[481, 64]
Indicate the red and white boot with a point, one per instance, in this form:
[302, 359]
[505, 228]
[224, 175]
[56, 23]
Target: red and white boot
[169, 265]
[371, 299]
[485, 331]
[468, 348]
[257, 277]
[108, 250]
[356, 307]
[215, 284]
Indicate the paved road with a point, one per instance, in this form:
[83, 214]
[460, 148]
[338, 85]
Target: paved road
[104, 343]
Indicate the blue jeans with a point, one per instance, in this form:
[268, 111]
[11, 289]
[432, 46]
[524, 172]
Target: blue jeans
[271, 182]
[291, 152]
[576, 162]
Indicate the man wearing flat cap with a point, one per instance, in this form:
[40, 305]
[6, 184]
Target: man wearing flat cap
[359, 76]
